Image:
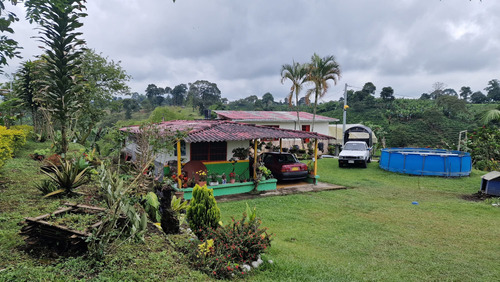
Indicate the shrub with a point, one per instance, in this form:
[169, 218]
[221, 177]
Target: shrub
[15, 137]
[26, 129]
[226, 248]
[202, 212]
[484, 147]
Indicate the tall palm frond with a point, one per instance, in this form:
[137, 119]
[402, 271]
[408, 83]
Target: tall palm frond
[491, 115]
[320, 71]
[297, 74]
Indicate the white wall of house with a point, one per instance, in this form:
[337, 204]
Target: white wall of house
[319, 127]
[231, 145]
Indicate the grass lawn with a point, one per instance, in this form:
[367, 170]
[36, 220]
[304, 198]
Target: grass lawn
[369, 232]
[373, 232]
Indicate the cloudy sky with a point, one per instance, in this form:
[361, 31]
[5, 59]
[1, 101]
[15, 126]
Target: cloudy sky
[241, 45]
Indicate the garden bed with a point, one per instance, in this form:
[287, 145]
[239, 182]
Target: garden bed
[67, 228]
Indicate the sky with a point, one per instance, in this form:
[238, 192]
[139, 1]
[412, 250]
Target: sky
[241, 45]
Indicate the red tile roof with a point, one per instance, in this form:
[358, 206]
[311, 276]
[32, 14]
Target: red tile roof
[247, 116]
[222, 130]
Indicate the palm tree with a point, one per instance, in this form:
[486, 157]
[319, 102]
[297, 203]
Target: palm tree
[297, 74]
[319, 72]
[491, 115]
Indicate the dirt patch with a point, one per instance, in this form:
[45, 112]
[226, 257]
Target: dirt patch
[477, 197]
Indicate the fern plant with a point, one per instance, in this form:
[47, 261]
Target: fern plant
[68, 177]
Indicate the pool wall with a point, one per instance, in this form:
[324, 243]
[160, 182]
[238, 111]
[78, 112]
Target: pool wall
[423, 161]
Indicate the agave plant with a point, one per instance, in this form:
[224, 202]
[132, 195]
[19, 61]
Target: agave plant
[68, 177]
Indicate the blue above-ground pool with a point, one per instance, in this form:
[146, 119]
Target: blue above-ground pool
[423, 161]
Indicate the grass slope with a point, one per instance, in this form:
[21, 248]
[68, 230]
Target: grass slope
[369, 232]
[373, 232]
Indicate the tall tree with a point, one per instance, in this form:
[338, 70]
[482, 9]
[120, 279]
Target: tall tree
[179, 94]
[478, 98]
[203, 94]
[8, 46]
[369, 88]
[59, 21]
[297, 74]
[465, 93]
[104, 79]
[387, 94]
[26, 87]
[493, 90]
[320, 71]
[267, 101]
[437, 89]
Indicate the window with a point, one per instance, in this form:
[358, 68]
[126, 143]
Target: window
[209, 151]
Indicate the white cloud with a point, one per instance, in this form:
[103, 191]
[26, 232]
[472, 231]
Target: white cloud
[241, 45]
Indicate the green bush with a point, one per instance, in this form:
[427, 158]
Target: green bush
[226, 248]
[10, 141]
[484, 147]
[202, 212]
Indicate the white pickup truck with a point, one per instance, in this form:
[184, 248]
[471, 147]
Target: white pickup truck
[355, 152]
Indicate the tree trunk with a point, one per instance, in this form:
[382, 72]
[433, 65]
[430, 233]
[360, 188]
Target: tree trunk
[64, 139]
[314, 110]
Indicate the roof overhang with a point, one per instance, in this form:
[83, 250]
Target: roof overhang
[222, 130]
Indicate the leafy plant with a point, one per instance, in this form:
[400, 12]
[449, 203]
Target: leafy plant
[265, 172]
[67, 178]
[213, 177]
[151, 205]
[122, 217]
[224, 249]
[178, 205]
[202, 212]
[240, 153]
[46, 186]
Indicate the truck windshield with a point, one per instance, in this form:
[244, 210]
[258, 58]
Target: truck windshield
[355, 147]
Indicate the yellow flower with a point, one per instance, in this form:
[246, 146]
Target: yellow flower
[206, 248]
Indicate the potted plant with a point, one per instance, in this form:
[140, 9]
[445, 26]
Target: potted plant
[202, 177]
[240, 153]
[232, 177]
[265, 172]
[242, 178]
[213, 179]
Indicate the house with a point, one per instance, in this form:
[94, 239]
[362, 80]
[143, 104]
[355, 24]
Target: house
[490, 183]
[280, 119]
[211, 142]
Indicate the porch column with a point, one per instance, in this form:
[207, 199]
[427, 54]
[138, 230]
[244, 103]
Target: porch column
[281, 145]
[179, 166]
[315, 172]
[255, 143]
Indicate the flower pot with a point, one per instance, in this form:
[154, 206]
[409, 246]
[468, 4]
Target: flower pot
[179, 194]
[232, 180]
[211, 183]
[202, 183]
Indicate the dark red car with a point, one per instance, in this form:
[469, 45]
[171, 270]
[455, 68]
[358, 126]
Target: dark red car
[284, 166]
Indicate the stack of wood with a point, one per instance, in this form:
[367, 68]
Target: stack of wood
[39, 230]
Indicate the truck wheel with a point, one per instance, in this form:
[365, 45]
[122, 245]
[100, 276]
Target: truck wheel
[340, 164]
[369, 160]
[363, 165]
